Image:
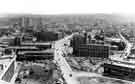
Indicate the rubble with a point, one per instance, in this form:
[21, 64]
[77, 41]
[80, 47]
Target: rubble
[85, 63]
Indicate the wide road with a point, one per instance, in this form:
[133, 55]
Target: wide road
[58, 57]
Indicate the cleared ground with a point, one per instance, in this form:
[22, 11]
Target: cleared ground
[38, 73]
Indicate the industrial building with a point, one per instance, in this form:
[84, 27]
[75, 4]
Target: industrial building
[94, 50]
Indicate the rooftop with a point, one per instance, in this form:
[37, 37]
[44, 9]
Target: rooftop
[5, 62]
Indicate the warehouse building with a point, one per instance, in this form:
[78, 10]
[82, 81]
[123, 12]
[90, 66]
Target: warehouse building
[94, 50]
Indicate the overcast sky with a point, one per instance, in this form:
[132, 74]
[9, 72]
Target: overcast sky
[124, 7]
[67, 6]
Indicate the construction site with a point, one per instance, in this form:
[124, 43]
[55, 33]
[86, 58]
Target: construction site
[33, 52]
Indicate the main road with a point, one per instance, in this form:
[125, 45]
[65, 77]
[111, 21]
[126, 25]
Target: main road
[59, 47]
